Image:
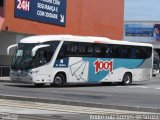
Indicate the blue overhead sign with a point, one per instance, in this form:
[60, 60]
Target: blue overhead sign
[46, 11]
[139, 30]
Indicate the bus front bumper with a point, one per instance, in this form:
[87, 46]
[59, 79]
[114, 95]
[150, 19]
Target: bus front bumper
[21, 78]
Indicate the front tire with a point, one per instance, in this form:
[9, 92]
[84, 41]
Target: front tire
[127, 79]
[59, 80]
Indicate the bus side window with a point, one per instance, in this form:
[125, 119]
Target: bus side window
[125, 52]
[108, 52]
[40, 58]
[73, 50]
[99, 51]
[115, 50]
[45, 55]
[62, 53]
[82, 50]
[102, 51]
[148, 52]
[133, 53]
[70, 49]
[122, 52]
[140, 53]
[90, 50]
[86, 50]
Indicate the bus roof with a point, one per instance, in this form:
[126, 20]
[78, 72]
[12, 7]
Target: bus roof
[90, 39]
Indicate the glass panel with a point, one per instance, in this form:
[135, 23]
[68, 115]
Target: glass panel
[23, 60]
[1, 3]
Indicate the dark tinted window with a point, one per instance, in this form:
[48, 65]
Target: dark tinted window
[76, 49]
[80, 49]
[130, 52]
[44, 55]
[68, 49]
[124, 51]
[86, 49]
[141, 52]
[148, 51]
[1, 3]
[115, 51]
[102, 51]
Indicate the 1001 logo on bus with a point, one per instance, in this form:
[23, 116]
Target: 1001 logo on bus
[103, 65]
[23, 5]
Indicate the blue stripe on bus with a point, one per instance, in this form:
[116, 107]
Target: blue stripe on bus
[117, 63]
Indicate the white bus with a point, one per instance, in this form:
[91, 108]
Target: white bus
[61, 59]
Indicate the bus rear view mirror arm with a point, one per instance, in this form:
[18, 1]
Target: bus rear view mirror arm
[34, 50]
[11, 46]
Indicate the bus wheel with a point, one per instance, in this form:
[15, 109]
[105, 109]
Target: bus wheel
[59, 80]
[127, 79]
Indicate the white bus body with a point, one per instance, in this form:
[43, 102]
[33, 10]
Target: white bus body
[60, 59]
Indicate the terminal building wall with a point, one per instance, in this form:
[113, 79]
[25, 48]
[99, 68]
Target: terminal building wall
[102, 18]
[83, 17]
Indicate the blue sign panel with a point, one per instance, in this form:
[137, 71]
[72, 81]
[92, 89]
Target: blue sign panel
[46, 11]
[138, 30]
[61, 63]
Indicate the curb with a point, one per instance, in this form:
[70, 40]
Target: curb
[78, 103]
[5, 79]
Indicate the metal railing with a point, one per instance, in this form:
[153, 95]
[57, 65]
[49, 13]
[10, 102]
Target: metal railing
[4, 71]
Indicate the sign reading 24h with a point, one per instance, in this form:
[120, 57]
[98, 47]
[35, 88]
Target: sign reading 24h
[47, 11]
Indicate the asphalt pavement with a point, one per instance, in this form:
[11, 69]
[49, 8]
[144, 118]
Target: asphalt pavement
[140, 96]
[25, 110]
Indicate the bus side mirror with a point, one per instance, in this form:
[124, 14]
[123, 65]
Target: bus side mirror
[34, 50]
[11, 46]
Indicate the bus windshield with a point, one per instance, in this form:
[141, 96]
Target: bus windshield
[23, 59]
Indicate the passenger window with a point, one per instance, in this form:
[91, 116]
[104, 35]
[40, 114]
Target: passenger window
[43, 56]
[86, 50]
[102, 51]
[140, 53]
[148, 52]
[133, 53]
[124, 51]
[115, 51]
[76, 49]
[62, 52]
[90, 50]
